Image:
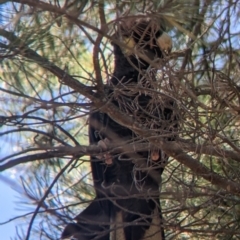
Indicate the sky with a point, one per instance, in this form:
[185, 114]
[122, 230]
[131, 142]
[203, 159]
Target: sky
[8, 211]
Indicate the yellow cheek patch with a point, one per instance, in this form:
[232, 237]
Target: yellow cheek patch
[165, 43]
[129, 45]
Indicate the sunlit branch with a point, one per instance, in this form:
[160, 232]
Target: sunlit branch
[173, 149]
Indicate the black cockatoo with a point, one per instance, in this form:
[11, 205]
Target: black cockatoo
[127, 204]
